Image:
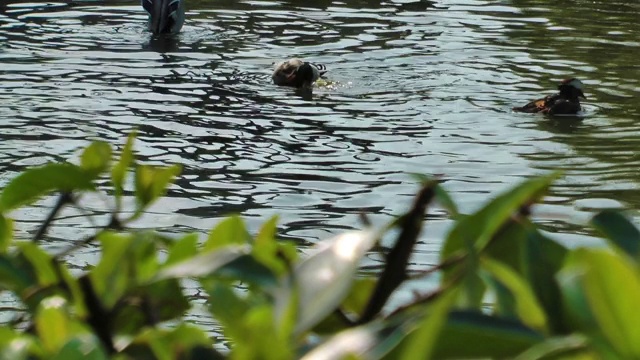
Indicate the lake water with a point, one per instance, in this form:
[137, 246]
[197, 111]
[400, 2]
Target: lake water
[416, 87]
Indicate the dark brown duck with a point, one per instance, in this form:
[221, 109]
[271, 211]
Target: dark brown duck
[565, 102]
[297, 73]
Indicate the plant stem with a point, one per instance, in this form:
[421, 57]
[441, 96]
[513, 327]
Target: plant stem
[64, 199]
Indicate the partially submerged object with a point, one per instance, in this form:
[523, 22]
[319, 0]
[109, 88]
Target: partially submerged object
[565, 102]
[297, 73]
[165, 16]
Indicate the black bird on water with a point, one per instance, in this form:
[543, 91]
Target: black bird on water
[165, 16]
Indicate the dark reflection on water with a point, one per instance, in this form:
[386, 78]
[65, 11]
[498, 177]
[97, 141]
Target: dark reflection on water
[418, 86]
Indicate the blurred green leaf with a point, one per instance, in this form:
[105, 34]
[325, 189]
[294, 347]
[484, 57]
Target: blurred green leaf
[526, 305]
[543, 259]
[422, 342]
[127, 261]
[111, 276]
[82, 347]
[228, 307]
[183, 249]
[261, 339]
[620, 232]
[247, 269]
[95, 158]
[41, 263]
[119, 170]
[18, 346]
[152, 182]
[6, 233]
[150, 304]
[592, 279]
[185, 342]
[230, 231]
[36, 182]
[371, 341]
[476, 335]
[568, 347]
[13, 276]
[203, 264]
[480, 227]
[508, 245]
[266, 247]
[359, 295]
[323, 279]
[53, 324]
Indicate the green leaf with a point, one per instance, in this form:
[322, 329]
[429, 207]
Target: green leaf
[203, 264]
[527, 307]
[323, 280]
[53, 324]
[80, 348]
[183, 249]
[567, 347]
[151, 303]
[269, 251]
[111, 276]
[247, 269]
[152, 182]
[230, 231]
[95, 158]
[228, 307]
[34, 183]
[479, 228]
[620, 232]
[127, 261]
[476, 335]
[421, 343]
[359, 295]
[261, 340]
[6, 233]
[119, 170]
[183, 342]
[592, 279]
[41, 263]
[543, 259]
[14, 277]
[18, 346]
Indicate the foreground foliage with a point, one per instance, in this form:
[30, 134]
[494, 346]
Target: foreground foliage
[547, 301]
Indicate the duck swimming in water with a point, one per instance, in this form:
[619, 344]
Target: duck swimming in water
[165, 16]
[566, 102]
[297, 73]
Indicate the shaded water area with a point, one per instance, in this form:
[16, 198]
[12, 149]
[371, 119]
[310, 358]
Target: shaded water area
[416, 87]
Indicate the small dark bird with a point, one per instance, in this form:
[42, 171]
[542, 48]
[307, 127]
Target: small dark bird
[165, 16]
[565, 102]
[297, 73]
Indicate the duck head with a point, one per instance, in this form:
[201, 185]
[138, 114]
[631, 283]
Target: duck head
[296, 73]
[571, 88]
[165, 16]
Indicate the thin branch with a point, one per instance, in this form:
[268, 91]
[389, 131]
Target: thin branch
[64, 199]
[453, 260]
[395, 270]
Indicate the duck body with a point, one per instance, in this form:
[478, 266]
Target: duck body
[565, 102]
[165, 16]
[297, 73]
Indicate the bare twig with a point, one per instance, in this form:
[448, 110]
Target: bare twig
[64, 199]
[395, 270]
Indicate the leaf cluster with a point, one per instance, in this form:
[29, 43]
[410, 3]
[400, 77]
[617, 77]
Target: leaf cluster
[504, 288]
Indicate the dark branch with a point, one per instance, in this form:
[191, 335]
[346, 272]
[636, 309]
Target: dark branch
[64, 199]
[395, 270]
